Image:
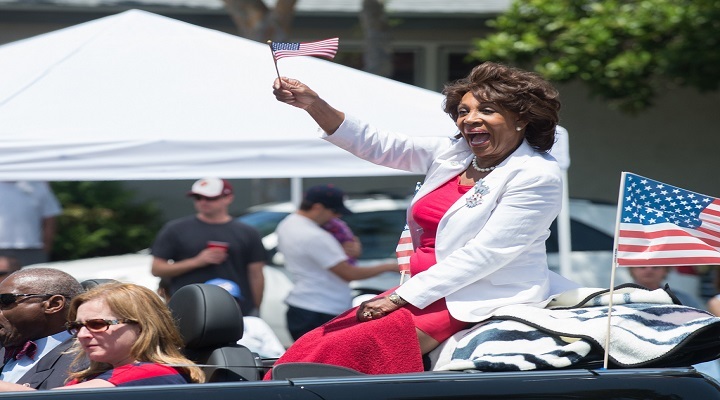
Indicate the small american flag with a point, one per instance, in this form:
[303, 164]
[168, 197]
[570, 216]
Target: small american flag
[662, 225]
[404, 248]
[323, 48]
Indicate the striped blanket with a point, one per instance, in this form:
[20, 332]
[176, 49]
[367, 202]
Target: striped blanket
[647, 329]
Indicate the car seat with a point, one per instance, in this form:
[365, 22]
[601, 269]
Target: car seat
[211, 323]
[310, 370]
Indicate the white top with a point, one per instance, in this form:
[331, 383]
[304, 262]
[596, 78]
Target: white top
[489, 253]
[15, 369]
[260, 338]
[309, 252]
[23, 206]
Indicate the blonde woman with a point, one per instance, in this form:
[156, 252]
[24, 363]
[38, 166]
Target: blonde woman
[129, 336]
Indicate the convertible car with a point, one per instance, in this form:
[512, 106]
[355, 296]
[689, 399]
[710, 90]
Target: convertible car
[634, 384]
[210, 322]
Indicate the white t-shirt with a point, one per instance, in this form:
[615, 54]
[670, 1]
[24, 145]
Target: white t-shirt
[260, 338]
[23, 206]
[309, 252]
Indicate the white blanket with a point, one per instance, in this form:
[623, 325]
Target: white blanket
[646, 327]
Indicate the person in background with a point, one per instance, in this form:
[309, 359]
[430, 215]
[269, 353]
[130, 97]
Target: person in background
[317, 262]
[211, 244]
[27, 221]
[257, 334]
[478, 223]
[713, 304]
[654, 278]
[34, 304]
[8, 265]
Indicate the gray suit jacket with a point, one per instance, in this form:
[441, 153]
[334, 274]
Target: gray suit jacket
[50, 371]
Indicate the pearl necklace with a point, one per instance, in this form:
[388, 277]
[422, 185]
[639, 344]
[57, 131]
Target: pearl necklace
[479, 169]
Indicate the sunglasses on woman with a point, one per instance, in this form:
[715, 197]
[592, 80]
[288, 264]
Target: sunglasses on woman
[8, 299]
[95, 325]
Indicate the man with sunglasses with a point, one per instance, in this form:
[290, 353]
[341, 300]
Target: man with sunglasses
[34, 303]
[211, 244]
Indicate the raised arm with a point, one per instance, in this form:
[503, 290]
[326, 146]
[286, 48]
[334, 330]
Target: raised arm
[296, 93]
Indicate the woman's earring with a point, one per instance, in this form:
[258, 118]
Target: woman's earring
[518, 128]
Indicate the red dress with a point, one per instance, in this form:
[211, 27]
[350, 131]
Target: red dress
[435, 319]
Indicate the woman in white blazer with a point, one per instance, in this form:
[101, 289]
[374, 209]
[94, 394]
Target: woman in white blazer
[489, 197]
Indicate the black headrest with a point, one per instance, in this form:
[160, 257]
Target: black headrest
[207, 316]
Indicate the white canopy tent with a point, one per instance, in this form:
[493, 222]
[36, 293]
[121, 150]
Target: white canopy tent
[140, 96]
[137, 96]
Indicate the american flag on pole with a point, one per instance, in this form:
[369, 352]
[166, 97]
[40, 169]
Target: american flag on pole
[323, 48]
[405, 249]
[663, 225]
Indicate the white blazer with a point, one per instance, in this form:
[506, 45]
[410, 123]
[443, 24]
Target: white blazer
[490, 255]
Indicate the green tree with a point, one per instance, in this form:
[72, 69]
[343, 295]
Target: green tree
[625, 51]
[101, 219]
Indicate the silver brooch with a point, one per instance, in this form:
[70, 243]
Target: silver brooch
[476, 198]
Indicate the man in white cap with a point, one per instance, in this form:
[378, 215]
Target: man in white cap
[211, 244]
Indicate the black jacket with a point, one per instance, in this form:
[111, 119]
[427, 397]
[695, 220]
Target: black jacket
[51, 370]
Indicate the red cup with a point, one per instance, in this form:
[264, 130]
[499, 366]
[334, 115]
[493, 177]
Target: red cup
[218, 245]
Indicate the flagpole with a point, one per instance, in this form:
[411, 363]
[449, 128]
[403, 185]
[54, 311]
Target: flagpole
[614, 267]
[269, 42]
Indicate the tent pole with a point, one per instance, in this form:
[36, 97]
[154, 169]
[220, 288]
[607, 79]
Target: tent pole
[564, 243]
[296, 190]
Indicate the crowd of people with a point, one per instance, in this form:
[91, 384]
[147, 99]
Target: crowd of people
[478, 226]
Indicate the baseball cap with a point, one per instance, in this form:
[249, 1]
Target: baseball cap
[329, 196]
[228, 285]
[211, 187]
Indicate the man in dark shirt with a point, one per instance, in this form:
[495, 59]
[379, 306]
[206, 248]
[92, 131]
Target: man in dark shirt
[211, 244]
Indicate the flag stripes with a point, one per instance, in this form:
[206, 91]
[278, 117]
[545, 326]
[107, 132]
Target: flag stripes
[663, 225]
[324, 48]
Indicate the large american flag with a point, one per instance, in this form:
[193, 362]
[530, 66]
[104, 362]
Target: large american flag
[662, 224]
[323, 48]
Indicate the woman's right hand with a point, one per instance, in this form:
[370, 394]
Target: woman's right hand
[298, 94]
[293, 92]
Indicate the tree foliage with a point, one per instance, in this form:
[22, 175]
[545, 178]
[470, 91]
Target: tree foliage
[625, 51]
[101, 219]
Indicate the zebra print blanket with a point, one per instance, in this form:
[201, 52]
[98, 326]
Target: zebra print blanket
[647, 329]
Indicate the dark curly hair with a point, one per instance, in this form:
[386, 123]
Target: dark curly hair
[533, 98]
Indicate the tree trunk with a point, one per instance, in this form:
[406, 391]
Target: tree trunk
[256, 21]
[378, 55]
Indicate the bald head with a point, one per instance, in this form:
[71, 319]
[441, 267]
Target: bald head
[47, 280]
[42, 311]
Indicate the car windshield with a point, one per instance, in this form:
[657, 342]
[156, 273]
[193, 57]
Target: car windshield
[378, 230]
[264, 221]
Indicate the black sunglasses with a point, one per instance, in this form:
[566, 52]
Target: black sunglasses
[95, 325]
[8, 299]
[198, 197]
